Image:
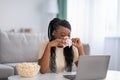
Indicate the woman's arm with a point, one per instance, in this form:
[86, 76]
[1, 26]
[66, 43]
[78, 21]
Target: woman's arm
[44, 61]
[77, 43]
[80, 50]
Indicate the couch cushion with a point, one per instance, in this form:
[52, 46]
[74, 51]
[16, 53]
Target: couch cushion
[19, 47]
[6, 71]
[13, 65]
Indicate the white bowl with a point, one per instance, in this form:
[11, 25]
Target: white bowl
[27, 69]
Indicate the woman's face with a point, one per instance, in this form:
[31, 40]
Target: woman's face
[61, 32]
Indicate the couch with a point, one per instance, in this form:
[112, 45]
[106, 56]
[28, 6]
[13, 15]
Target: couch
[20, 47]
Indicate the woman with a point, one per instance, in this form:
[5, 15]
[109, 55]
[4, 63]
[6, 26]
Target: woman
[57, 57]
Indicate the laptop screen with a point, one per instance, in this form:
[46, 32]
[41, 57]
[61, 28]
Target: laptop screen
[91, 67]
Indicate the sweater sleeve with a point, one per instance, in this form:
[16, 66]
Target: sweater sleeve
[42, 47]
[76, 54]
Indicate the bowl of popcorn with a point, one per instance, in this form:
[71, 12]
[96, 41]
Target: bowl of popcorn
[27, 69]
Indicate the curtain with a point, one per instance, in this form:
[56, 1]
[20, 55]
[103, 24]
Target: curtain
[93, 21]
[62, 7]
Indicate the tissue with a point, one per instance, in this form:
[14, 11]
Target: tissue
[68, 41]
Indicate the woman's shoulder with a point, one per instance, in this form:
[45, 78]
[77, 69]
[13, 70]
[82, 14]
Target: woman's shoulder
[74, 48]
[42, 47]
[44, 40]
[43, 43]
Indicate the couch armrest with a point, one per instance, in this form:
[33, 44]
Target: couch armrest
[86, 48]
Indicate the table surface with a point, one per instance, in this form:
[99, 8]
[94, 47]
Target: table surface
[111, 75]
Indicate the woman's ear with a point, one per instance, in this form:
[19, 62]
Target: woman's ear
[54, 32]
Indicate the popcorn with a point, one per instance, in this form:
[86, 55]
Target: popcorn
[68, 41]
[27, 69]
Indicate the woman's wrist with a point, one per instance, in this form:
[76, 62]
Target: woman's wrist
[79, 46]
[49, 45]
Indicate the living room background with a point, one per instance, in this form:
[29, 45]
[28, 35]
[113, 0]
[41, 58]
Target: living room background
[20, 14]
[95, 21]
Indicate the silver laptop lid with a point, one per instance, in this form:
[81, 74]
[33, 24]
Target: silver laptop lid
[92, 67]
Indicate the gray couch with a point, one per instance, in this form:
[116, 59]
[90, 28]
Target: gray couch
[20, 47]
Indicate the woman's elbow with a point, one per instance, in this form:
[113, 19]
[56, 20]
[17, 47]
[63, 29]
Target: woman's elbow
[43, 68]
[43, 71]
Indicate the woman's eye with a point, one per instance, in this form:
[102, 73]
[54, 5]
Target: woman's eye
[68, 35]
[62, 35]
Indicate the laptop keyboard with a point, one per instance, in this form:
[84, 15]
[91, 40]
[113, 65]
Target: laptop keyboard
[70, 77]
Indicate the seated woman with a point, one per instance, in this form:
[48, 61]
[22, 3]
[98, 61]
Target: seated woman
[55, 55]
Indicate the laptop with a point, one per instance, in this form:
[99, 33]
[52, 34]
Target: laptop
[91, 67]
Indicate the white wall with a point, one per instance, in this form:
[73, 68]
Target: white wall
[17, 14]
[112, 48]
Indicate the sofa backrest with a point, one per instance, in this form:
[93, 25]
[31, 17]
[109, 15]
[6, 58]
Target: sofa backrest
[19, 47]
[86, 48]
[23, 47]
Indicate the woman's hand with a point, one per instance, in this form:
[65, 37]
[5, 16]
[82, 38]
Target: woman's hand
[57, 42]
[76, 42]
